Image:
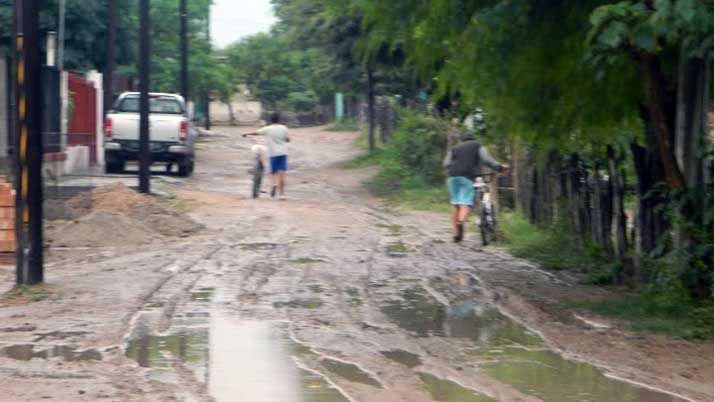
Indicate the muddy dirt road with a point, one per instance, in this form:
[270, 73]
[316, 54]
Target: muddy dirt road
[328, 296]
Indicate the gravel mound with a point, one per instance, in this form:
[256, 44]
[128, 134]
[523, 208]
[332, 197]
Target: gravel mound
[116, 215]
[101, 229]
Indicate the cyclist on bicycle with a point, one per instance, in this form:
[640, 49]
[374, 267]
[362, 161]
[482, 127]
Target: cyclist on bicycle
[464, 162]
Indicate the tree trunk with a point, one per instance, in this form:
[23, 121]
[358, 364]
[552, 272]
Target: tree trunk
[231, 114]
[691, 133]
[578, 197]
[370, 108]
[655, 92]
[516, 174]
[619, 220]
[535, 197]
[692, 121]
[596, 207]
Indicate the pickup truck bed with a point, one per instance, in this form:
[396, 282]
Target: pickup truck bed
[171, 134]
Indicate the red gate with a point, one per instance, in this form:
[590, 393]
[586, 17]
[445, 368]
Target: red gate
[83, 120]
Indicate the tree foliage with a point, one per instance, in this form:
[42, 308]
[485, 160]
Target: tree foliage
[86, 35]
[280, 75]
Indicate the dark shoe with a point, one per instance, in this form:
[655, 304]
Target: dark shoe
[274, 191]
[459, 233]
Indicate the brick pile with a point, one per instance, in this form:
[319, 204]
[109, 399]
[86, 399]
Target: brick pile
[8, 244]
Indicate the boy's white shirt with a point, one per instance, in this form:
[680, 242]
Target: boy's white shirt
[276, 136]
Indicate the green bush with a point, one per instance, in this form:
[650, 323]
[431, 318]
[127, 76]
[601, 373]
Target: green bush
[410, 163]
[302, 101]
[553, 248]
[417, 147]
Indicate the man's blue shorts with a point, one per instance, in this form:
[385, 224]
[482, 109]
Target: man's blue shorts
[462, 191]
[278, 164]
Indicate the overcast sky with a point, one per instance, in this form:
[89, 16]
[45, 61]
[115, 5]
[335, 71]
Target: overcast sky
[232, 20]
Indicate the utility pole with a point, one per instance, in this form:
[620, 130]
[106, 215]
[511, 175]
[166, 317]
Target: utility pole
[29, 144]
[61, 35]
[183, 15]
[144, 76]
[207, 120]
[207, 95]
[111, 57]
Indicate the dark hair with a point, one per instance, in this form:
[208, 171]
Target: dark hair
[274, 118]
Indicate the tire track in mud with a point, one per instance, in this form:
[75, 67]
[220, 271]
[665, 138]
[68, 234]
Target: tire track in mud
[176, 273]
[438, 355]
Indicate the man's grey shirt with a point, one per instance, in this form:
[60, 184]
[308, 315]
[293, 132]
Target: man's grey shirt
[466, 159]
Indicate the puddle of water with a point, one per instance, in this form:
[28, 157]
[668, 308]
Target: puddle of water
[548, 376]
[403, 357]
[66, 353]
[510, 353]
[487, 327]
[449, 391]
[310, 304]
[190, 347]
[394, 230]
[316, 288]
[306, 261]
[350, 372]
[417, 312]
[253, 361]
[259, 246]
[316, 389]
[203, 295]
[398, 249]
[354, 300]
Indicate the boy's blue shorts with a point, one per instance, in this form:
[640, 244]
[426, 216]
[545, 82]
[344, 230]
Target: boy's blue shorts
[462, 191]
[278, 164]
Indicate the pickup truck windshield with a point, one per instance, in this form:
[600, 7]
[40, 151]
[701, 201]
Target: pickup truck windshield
[162, 105]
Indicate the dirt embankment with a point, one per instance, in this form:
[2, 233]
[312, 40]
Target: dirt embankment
[118, 216]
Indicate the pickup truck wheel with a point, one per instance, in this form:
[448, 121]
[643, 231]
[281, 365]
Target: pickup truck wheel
[185, 167]
[115, 167]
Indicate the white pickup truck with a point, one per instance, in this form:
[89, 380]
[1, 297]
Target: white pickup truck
[172, 136]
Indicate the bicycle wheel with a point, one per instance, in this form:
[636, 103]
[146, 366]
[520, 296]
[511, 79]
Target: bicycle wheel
[485, 226]
[257, 179]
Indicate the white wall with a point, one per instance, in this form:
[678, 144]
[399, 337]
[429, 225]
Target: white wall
[246, 112]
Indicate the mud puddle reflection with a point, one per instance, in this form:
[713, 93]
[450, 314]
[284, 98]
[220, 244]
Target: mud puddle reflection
[350, 372]
[449, 391]
[67, 353]
[203, 295]
[403, 357]
[190, 347]
[509, 353]
[254, 361]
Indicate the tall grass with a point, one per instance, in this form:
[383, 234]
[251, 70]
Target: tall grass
[669, 310]
[345, 125]
[552, 248]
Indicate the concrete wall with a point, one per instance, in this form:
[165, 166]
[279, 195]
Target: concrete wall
[246, 112]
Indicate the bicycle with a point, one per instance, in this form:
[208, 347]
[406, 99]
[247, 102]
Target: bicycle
[258, 169]
[487, 214]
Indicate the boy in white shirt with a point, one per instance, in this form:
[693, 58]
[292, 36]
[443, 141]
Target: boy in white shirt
[277, 137]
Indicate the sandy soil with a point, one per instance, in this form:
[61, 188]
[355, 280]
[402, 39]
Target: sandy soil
[310, 283]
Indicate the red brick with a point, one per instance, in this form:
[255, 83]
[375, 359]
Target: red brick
[7, 213]
[8, 246]
[7, 235]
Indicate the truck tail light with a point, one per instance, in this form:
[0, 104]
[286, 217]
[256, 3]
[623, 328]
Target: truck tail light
[108, 123]
[183, 131]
